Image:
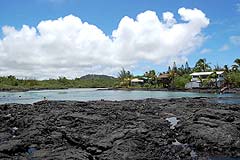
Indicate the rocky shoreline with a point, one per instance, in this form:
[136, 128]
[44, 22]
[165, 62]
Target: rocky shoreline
[120, 130]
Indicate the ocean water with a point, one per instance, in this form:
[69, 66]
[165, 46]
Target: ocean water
[95, 94]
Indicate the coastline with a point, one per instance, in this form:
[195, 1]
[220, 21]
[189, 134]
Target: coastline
[27, 89]
[131, 129]
[34, 89]
[228, 91]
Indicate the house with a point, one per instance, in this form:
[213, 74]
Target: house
[199, 77]
[137, 81]
[165, 79]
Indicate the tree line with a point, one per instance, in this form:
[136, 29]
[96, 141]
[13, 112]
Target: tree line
[90, 81]
[179, 76]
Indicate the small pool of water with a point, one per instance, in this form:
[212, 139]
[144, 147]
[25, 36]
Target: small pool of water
[232, 100]
[173, 122]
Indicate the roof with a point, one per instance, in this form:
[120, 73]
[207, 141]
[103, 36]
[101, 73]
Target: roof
[205, 73]
[137, 80]
[164, 76]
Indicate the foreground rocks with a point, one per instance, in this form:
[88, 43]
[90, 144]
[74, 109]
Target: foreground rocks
[112, 130]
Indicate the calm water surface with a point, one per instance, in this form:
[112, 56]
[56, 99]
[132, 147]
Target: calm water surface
[94, 94]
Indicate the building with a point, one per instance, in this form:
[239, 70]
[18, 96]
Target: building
[165, 79]
[199, 77]
[137, 81]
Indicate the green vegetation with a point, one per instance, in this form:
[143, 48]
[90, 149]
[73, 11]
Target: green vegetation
[180, 81]
[89, 81]
[202, 66]
[233, 79]
[175, 78]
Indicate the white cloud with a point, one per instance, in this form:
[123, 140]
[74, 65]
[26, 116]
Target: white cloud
[67, 46]
[235, 40]
[205, 50]
[225, 47]
[169, 19]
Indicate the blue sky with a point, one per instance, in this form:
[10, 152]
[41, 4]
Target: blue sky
[221, 36]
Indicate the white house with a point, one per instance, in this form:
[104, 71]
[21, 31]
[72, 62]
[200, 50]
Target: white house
[198, 77]
[136, 81]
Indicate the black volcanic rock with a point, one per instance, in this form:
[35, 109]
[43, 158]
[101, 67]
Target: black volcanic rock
[109, 130]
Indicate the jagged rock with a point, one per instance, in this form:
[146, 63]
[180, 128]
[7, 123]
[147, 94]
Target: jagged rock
[11, 146]
[120, 130]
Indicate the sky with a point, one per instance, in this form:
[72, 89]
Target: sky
[50, 38]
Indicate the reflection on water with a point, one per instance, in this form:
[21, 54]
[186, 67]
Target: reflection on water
[94, 94]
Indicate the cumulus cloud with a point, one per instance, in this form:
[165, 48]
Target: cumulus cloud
[69, 47]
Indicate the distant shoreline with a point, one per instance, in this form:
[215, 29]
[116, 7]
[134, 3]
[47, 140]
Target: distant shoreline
[232, 90]
[25, 90]
[229, 91]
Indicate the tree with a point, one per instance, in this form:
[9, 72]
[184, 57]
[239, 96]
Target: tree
[236, 66]
[237, 61]
[214, 77]
[217, 68]
[63, 80]
[225, 68]
[125, 77]
[233, 79]
[172, 75]
[181, 70]
[187, 68]
[169, 69]
[123, 74]
[202, 66]
[152, 77]
[174, 68]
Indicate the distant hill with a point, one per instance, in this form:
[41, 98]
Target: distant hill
[95, 76]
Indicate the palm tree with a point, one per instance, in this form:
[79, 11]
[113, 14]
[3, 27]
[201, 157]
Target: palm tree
[123, 74]
[202, 66]
[217, 68]
[225, 68]
[236, 66]
[152, 77]
[227, 79]
[213, 76]
[237, 61]
[172, 75]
